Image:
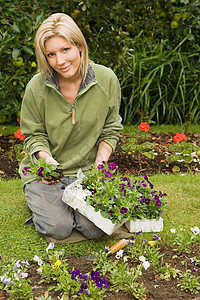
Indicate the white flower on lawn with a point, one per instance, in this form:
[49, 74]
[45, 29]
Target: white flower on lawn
[173, 230]
[51, 246]
[146, 264]
[25, 262]
[17, 265]
[38, 260]
[119, 254]
[19, 275]
[195, 230]
[142, 258]
[39, 270]
[35, 258]
[5, 279]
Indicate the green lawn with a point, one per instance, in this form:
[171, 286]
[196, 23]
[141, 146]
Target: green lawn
[23, 242]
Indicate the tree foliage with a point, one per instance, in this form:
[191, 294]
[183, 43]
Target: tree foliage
[117, 32]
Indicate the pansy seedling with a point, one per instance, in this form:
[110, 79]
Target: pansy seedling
[50, 246]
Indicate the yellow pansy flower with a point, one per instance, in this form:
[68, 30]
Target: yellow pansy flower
[151, 243]
[57, 264]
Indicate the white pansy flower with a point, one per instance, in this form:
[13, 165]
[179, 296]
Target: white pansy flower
[195, 230]
[146, 264]
[19, 275]
[142, 258]
[38, 260]
[119, 254]
[51, 246]
[173, 230]
[39, 270]
[17, 265]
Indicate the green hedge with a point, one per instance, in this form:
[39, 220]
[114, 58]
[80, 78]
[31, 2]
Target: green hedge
[131, 37]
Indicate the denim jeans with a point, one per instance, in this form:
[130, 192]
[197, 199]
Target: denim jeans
[53, 217]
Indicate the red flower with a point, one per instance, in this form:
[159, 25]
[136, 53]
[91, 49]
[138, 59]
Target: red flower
[18, 120]
[179, 137]
[19, 135]
[144, 126]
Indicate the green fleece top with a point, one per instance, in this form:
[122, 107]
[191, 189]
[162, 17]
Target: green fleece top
[46, 120]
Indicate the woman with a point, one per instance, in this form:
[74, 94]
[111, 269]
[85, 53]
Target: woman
[70, 116]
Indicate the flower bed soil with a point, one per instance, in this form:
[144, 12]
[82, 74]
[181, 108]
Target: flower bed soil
[156, 288]
[125, 161]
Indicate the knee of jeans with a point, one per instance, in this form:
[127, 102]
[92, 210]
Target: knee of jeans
[58, 230]
[91, 231]
[62, 230]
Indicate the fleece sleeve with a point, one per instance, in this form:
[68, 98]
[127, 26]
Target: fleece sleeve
[32, 123]
[112, 127]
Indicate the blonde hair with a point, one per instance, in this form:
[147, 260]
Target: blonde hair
[62, 25]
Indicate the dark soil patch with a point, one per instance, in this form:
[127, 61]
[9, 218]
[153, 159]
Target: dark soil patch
[125, 161]
[156, 288]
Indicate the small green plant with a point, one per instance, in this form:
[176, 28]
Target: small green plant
[17, 151]
[182, 150]
[120, 276]
[181, 240]
[15, 281]
[189, 283]
[42, 169]
[165, 271]
[124, 278]
[136, 144]
[74, 284]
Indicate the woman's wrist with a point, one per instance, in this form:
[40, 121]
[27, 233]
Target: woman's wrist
[103, 153]
[49, 159]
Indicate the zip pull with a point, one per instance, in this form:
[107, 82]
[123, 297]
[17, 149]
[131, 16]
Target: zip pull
[73, 115]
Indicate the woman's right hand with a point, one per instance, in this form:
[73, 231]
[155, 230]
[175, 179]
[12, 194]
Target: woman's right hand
[50, 180]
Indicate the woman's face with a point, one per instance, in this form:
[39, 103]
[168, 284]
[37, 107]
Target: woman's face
[63, 57]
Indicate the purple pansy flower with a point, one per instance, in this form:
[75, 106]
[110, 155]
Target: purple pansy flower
[123, 210]
[84, 276]
[100, 167]
[142, 200]
[147, 200]
[123, 193]
[108, 174]
[94, 275]
[112, 166]
[75, 273]
[158, 203]
[26, 170]
[84, 287]
[125, 178]
[155, 237]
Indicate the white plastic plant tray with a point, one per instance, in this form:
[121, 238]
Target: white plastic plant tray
[75, 197]
[145, 225]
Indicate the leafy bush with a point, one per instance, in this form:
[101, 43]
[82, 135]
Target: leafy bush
[132, 37]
